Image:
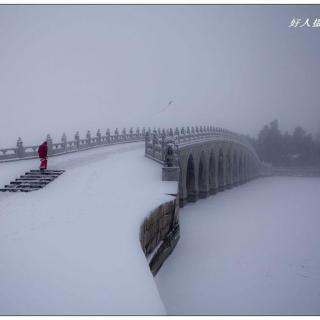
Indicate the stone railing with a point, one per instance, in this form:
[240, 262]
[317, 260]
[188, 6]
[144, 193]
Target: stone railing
[21, 152]
[156, 142]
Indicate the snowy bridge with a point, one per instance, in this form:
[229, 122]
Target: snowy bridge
[208, 160]
[72, 248]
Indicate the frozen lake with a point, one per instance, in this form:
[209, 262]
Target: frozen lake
[252, 250]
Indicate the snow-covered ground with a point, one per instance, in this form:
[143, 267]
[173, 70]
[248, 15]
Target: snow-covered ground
[251, 250]
[73, 246]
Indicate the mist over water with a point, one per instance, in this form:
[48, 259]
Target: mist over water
[80, 67]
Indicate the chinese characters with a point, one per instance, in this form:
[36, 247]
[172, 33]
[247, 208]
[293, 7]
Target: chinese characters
[307, 23]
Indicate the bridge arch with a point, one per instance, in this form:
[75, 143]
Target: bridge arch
[203, 176]
[212, 173]
[191, 180]
[228, 171]
[207, 167]
[240, 168]
[221, 170]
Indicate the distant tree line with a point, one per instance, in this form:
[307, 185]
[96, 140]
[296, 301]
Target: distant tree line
[292, 150]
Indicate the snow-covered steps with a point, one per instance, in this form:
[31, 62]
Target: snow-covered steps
[32, 180]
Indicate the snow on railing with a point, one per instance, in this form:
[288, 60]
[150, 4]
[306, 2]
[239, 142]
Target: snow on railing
[156, 142]
[21, 152]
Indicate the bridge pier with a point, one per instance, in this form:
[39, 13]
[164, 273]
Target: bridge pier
[192, 197]
[203, 194]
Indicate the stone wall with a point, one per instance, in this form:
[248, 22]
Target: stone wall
[159, 233]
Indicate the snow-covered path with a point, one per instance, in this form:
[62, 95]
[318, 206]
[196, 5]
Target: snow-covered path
[250, 250]
[73, 247]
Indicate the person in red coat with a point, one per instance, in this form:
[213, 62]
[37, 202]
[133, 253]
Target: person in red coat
[43, 155]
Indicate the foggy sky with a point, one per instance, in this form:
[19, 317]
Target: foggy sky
[69, 68]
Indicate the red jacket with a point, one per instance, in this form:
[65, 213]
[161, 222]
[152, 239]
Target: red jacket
[43, 150]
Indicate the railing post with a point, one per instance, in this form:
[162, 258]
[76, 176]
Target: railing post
[108, 136]
[188, 132]
[177, 134]
[154, 142]
[77, 140]
[99, 136]
[163, 145]
[146, 140]
[64, 142]
[124, 134]
[183, 134]
[192, 133]
[88, 137]
[20, 149]
[116, 134]
[49, 142]
[131, 134]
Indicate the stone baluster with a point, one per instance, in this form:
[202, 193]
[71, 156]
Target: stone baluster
[154, 132]
[171, 132]
[77, 140]
[99, 136]
[147, 138]
[138, 132]
[20, 148]
[88, 137]
[144, 131]
[108, 136]
[49, 142]
[177, 135]
[182, 134]
[188, 133]
[124, 134]
[154, 142]
[192, 133]
[116, 134]
[64, 142]
[163, 145]
[197, 131]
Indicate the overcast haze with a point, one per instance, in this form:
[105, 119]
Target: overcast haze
[69, 68]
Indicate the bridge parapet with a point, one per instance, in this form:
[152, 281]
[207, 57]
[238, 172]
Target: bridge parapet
[156, 142]
[204, 159]
[21, 152]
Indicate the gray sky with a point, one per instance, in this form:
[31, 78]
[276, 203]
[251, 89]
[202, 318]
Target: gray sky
[69, 68]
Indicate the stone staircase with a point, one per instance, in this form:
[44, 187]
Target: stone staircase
[33, 180]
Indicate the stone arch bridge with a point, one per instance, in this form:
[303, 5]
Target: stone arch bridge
[206, 160]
